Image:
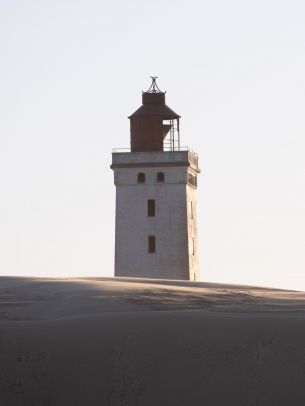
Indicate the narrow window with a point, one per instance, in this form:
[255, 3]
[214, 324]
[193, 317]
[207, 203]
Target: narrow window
[151, 208]
[192, 211]
[192, 180]
[193, 246]
[151, 244]
[160, 177]
[141, 177]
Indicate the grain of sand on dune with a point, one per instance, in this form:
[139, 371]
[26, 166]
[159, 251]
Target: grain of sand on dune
[103, 341]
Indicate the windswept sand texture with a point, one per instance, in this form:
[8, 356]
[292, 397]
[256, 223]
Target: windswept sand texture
[145, 342]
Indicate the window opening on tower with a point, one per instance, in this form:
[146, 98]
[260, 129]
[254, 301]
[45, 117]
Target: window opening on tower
[141, 177]
[192, 179]
[151, 244]
[160, 177]
[151, 208]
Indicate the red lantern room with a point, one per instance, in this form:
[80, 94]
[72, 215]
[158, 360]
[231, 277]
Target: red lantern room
[154, 126]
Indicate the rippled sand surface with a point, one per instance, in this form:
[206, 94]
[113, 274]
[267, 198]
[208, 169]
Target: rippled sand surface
[148, 342]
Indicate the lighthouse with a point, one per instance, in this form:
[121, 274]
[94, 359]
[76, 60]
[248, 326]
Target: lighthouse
[156, 182]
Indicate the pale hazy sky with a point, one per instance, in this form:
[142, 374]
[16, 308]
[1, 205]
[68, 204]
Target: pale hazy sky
[70, 74]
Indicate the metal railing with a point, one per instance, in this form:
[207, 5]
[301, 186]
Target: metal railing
[165, 149]
[192, 156]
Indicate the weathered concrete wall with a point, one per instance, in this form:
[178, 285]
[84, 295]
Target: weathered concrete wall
[192, 233]
[173, 225]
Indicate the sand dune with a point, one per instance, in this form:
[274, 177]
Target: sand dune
[146, 342]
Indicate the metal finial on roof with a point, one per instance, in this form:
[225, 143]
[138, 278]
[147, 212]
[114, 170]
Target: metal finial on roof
[154, 87]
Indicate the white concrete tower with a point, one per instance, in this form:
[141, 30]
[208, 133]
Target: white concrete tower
[156, 182]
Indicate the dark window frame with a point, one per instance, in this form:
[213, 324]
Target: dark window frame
[151, 208]
[151, 240]
[160, 177]
[141, 178]
[192, 179]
